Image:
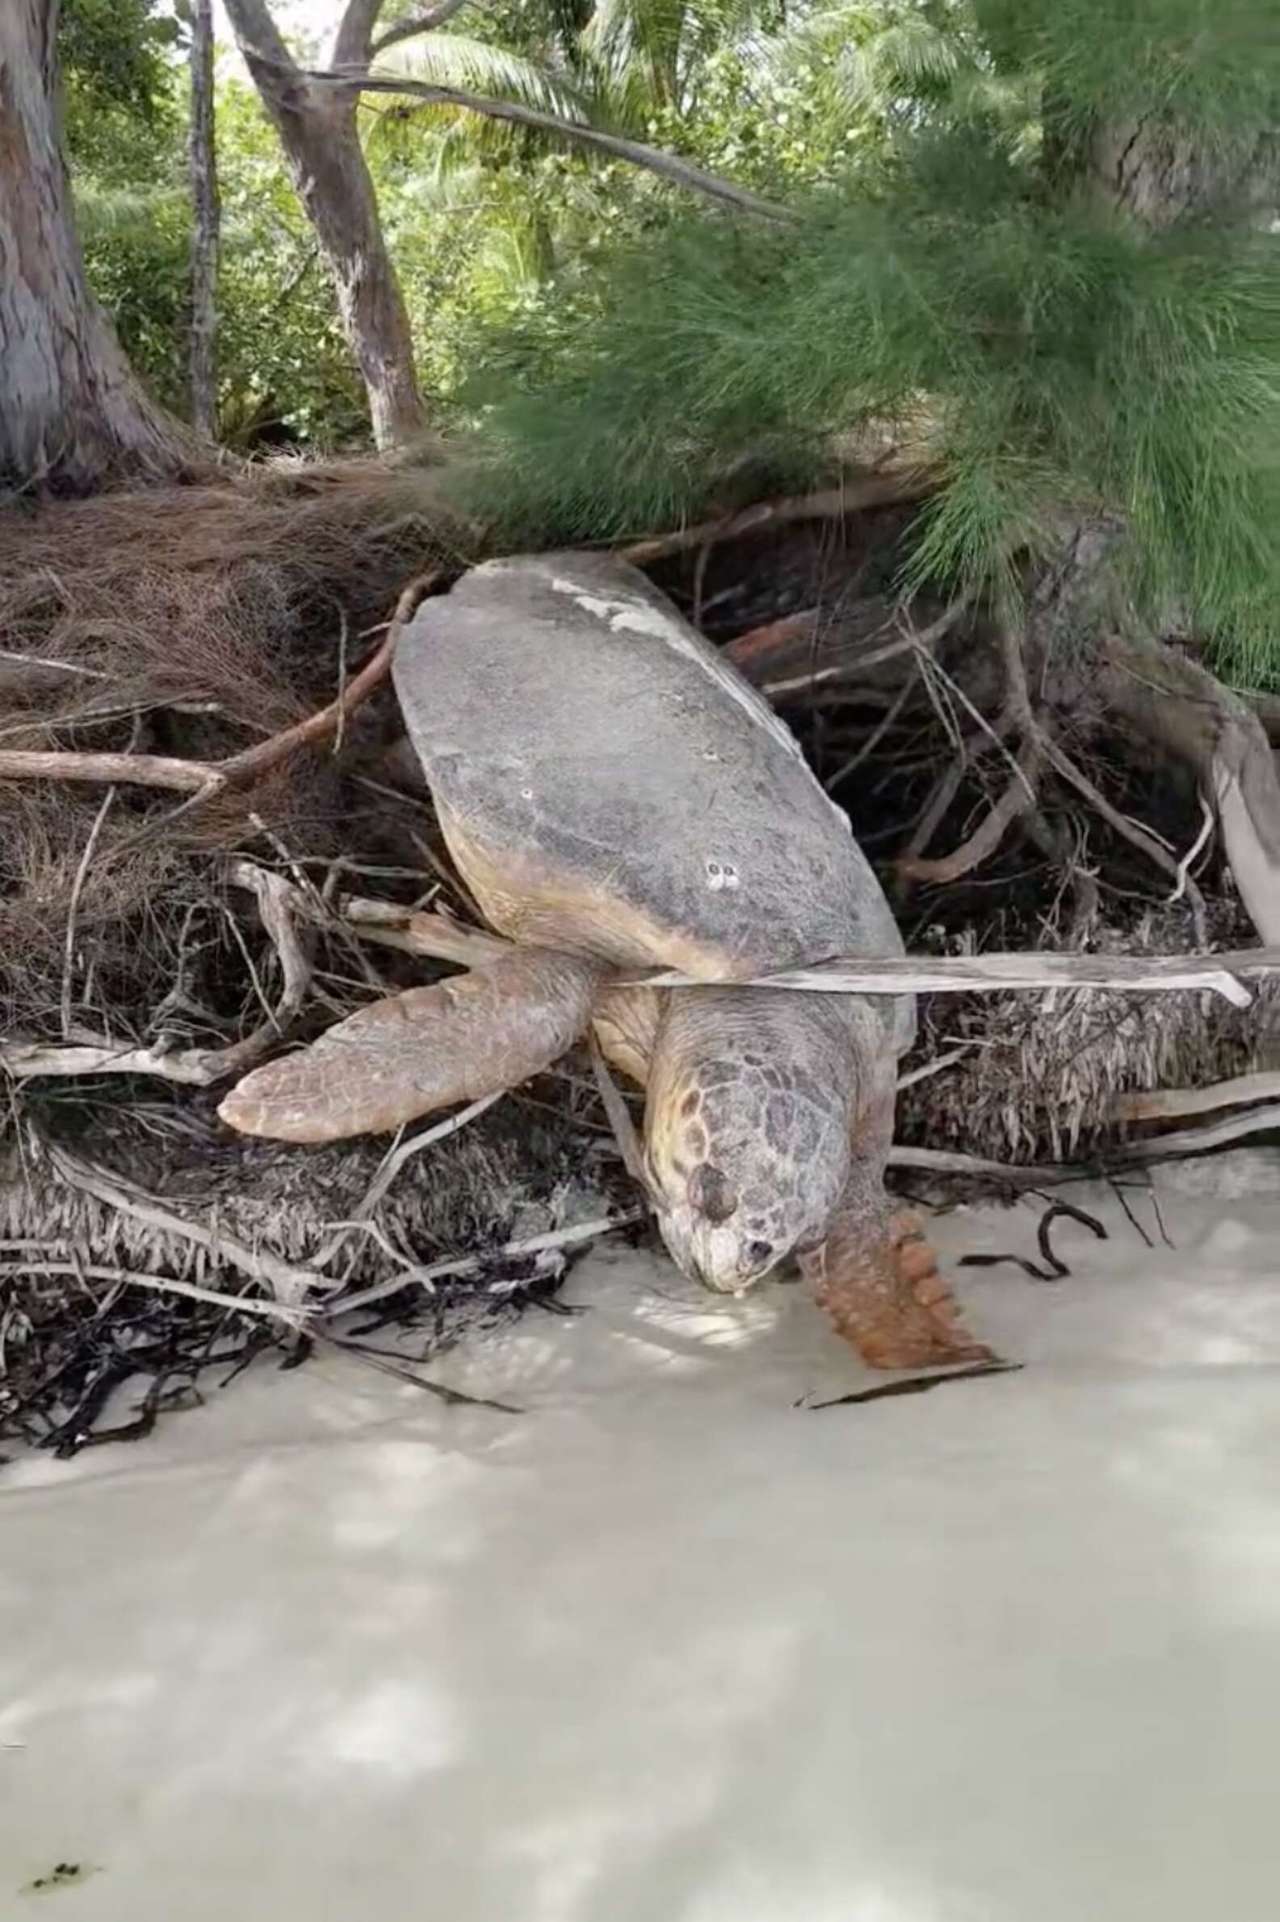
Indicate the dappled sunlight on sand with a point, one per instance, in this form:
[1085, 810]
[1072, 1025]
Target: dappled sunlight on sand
[668, 1647]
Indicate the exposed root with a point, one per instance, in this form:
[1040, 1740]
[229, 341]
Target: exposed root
[1017, 799]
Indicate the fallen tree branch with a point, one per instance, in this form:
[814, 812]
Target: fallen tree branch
[1222, 974]
[431, 934]
[886, 487]
[945, 1161]
[668, 166]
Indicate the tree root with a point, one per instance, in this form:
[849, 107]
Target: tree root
[1017, 799]
[1173, 703]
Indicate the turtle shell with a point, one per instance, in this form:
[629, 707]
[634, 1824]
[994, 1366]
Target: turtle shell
[608, 784]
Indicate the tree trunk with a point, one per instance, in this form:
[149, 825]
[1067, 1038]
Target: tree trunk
[71, 413]
[206, 219]
[319, 134]
[1158, 173]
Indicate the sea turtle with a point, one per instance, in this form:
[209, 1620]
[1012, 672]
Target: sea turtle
[618, 798]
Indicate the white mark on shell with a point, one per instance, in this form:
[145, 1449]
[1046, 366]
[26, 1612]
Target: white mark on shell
[637, 617]
[722, 874]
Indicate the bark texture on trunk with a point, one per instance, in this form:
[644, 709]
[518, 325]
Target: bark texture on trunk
[206, 213]
[319, 134]
[1159, 173]
[71, 412]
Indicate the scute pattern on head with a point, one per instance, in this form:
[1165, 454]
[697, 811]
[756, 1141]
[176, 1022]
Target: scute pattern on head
[747, 1131]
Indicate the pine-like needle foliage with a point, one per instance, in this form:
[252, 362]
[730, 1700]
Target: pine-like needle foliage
[1058, 360]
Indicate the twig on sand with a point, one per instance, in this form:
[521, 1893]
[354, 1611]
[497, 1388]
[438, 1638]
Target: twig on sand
[914, 1385]
[452, 1397]
[1054, 1269]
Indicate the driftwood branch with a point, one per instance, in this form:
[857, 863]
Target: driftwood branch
[435, 935]
[1223, 974]
[1198, 1141]
[1168, 1104]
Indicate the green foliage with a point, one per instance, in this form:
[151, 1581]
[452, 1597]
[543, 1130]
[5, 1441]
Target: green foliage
[1214, 64]
[620, 352]
[115, 57]
[1064, 363]
[283, 362]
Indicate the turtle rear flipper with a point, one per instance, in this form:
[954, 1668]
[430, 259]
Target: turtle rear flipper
[459, 1040]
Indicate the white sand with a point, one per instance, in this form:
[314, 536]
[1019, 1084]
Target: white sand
[668, 1648]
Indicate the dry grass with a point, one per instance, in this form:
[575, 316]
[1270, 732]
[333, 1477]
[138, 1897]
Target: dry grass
[1043, 1069]
[186, 621]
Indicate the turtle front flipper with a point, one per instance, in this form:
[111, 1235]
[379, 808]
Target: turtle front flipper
[472, 1035]
[874, 1273]
[877, 1278]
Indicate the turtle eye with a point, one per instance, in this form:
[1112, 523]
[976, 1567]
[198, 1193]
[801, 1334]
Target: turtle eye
[711, 1194]
[758, 1252]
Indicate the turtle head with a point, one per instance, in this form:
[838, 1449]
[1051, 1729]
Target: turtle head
[745, 1167]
